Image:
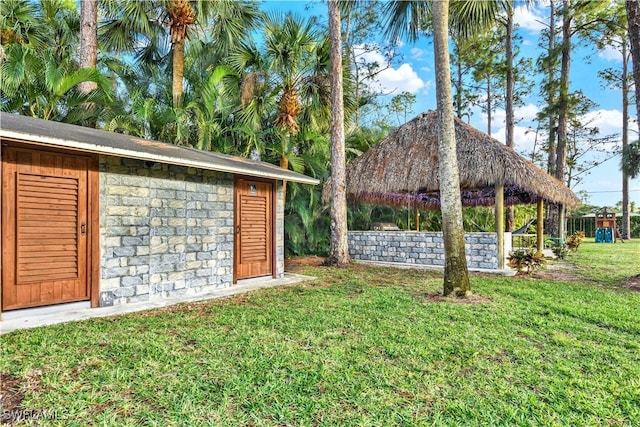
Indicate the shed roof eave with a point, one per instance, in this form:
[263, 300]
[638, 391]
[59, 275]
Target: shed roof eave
[226, 164]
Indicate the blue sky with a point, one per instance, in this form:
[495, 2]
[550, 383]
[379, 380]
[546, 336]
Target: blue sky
[414, 73]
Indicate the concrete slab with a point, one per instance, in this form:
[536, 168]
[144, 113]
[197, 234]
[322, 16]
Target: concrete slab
[51, 315]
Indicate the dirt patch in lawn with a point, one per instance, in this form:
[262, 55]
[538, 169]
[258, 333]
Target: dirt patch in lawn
[297, 264]
[558, 271]
[633, 283]
[10, 395]
[469, 299]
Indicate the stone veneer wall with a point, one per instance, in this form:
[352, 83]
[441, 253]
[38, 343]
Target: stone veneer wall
[166, 230]
[423, 248]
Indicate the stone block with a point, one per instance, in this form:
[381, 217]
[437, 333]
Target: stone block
[177, 204]
[201, 256]
[155, 278]
[193, 265]
[124, 292]
[108, 273]
[138, 261]
[129, 281]
[162, 268]
[161, 248]
[135, 241]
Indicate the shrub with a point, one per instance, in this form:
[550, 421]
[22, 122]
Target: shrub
[526, 260]
[560, 251]
[574, 241]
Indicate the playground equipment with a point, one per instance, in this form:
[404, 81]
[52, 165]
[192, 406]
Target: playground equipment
[606, 230]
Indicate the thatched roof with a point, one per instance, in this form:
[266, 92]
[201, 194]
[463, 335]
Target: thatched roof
[402, 170]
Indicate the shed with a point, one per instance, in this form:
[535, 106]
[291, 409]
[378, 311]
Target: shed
[107, 218]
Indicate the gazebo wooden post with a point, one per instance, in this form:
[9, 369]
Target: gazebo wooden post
[500, 223]
[562, 221]
[540, 225]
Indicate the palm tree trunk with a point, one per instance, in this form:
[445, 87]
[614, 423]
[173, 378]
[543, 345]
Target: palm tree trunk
[456, 275]
[284, 164]
[178, 73]
[339, 252]
[88, 40]
[89, 47]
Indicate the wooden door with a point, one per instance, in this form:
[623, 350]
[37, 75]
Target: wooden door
[44, 228]
[254, 229]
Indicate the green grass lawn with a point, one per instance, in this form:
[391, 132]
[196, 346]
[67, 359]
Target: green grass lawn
[607, 263]
[357, 346]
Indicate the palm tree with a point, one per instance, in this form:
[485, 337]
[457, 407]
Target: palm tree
[456, 276]
[21, 22]
[289, 72]
[408, 18]
[36, 84]
[39, 72]
[339, 253]
[135, 26]
[180, 17]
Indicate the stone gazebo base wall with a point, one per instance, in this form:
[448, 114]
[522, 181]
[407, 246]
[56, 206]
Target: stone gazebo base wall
[423, 248]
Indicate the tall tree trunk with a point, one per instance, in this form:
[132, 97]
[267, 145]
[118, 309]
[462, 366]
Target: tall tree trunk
[352, 65]
[563, 106]
[339, 252]
[456, 275]
[284, 164]
[626, 220]
[551, 209]
[633, 21]
[551, 95]
[88, 40]
[458, 85]
[88, 46]
[509, 101]
[489, 105]
[178, 73]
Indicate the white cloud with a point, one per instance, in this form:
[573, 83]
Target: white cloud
[610, 54]
[608, 121]
[392, 80]
[396, 80]
[522, 115]
[524, 139]
[526, 113]
[417, 54]
[369, 56]
[529, 20]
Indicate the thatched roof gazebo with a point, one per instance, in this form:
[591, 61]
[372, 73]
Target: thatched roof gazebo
[402, 170]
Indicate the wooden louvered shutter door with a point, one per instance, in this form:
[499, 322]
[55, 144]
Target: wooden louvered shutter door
[254, 229]
[45, 218]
